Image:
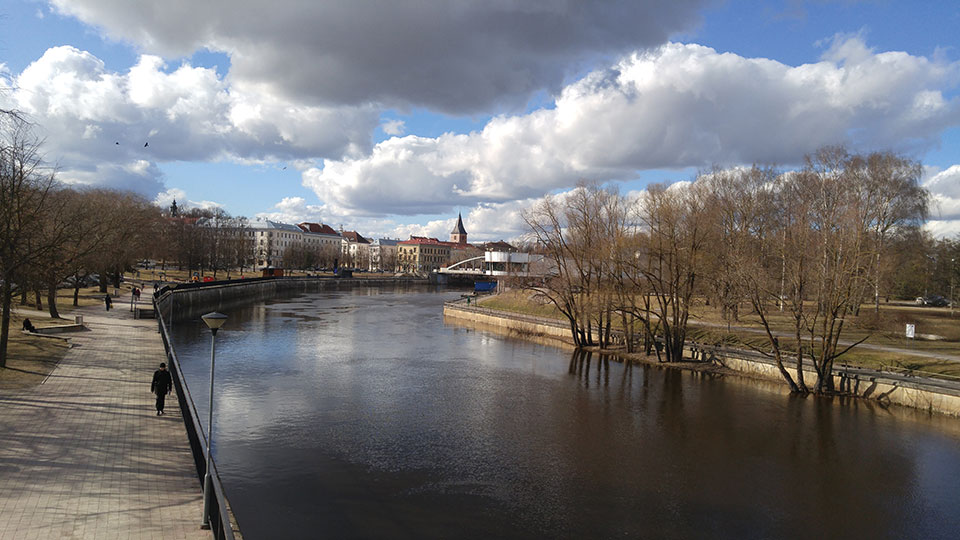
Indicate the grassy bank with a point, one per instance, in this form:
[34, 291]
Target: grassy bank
[884, 329]
[30, 358]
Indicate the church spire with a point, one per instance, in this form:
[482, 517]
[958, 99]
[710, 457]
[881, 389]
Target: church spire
[459, 235]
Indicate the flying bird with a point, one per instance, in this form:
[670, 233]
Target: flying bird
[146, 144]
[118, 142]
[283, 169]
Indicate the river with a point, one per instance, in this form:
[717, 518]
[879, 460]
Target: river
[361, 414]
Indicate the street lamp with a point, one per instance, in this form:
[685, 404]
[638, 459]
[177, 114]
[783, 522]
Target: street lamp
[953, 272]
[213, 321]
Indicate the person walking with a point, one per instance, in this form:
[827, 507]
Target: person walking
[107, 301]
[161, 386]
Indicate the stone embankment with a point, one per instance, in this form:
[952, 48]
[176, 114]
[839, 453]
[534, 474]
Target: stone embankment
[930, 394]
[190, 300]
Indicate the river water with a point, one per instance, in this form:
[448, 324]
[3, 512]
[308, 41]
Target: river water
[360, 414]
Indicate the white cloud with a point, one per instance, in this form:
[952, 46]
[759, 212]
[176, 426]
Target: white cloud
[452, 55]
[944, 187]
[676, 107]
[394, 127]
[295, 210]
[944, 183]
[96, 122]
[165, 198]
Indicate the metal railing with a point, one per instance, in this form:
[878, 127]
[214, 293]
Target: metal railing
[219, 518]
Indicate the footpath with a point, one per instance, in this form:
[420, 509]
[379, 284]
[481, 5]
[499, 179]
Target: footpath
[83, 455]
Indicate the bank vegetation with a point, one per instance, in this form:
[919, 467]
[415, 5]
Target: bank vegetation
[814, 244]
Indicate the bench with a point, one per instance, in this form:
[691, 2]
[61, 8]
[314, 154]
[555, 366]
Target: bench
[48, 336]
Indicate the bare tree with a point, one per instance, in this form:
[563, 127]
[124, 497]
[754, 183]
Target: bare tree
[677, 224]
[889, 189]
[25, 196]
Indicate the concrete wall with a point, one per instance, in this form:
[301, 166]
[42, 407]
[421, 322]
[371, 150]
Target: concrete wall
[932, 395]
[513, 323]
[184, 303]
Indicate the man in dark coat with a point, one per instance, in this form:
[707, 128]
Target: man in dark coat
[161, 386]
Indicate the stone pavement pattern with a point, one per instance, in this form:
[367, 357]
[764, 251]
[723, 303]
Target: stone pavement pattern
[84, 455]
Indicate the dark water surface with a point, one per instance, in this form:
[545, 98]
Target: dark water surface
[360, 414]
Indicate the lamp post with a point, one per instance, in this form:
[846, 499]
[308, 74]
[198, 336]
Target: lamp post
[213, 321]
[953, 272]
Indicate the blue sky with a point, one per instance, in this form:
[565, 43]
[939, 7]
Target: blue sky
[391, 121]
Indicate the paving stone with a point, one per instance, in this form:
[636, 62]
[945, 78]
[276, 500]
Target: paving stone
[84, 455]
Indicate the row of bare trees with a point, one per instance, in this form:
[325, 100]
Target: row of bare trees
[204, 240]
[815, 244]
[51, 233]
[305, 256]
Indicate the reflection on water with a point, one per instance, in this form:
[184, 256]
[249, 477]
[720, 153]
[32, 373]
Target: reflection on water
[359, 414]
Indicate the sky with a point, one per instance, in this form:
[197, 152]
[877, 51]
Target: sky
[390, 117]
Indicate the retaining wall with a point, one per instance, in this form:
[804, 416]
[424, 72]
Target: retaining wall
[190, 301]
[933, 395]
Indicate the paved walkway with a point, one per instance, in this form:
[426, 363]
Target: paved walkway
[84, 455]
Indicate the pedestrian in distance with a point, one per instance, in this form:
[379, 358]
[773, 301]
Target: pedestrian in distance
[134, 297]
[107, 301]
[161, 386]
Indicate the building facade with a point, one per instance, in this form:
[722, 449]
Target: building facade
[383, 255]
[420, 254]
[355, 249]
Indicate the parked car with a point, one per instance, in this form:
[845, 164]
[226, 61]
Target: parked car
[935, 300]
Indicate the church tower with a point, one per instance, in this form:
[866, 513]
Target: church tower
[458, 235]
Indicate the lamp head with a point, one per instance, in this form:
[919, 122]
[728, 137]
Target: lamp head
[214, 320]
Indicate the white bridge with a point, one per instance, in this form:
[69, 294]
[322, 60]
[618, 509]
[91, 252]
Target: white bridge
[496, 264]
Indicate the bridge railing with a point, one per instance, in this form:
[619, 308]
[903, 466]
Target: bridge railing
[220, 515]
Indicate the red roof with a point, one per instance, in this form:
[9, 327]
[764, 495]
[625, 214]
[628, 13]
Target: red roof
[354, 236]
[423, 240]
[184, 220]
[414, 240]
[306, 226]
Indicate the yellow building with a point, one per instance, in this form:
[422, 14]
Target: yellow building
[420, 254]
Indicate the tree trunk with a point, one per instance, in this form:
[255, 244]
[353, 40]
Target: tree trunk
[876, 285]
[39, 299]
[52, 301]
[76, 293]
[5, 298]
[801, 386]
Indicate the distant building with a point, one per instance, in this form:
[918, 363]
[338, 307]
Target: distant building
[499, 245]
[271, 239]
[420, 254]
[320, 237]
[383, 255]
[355, 249]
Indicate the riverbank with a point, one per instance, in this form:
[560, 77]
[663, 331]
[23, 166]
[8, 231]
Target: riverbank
[925, 393]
